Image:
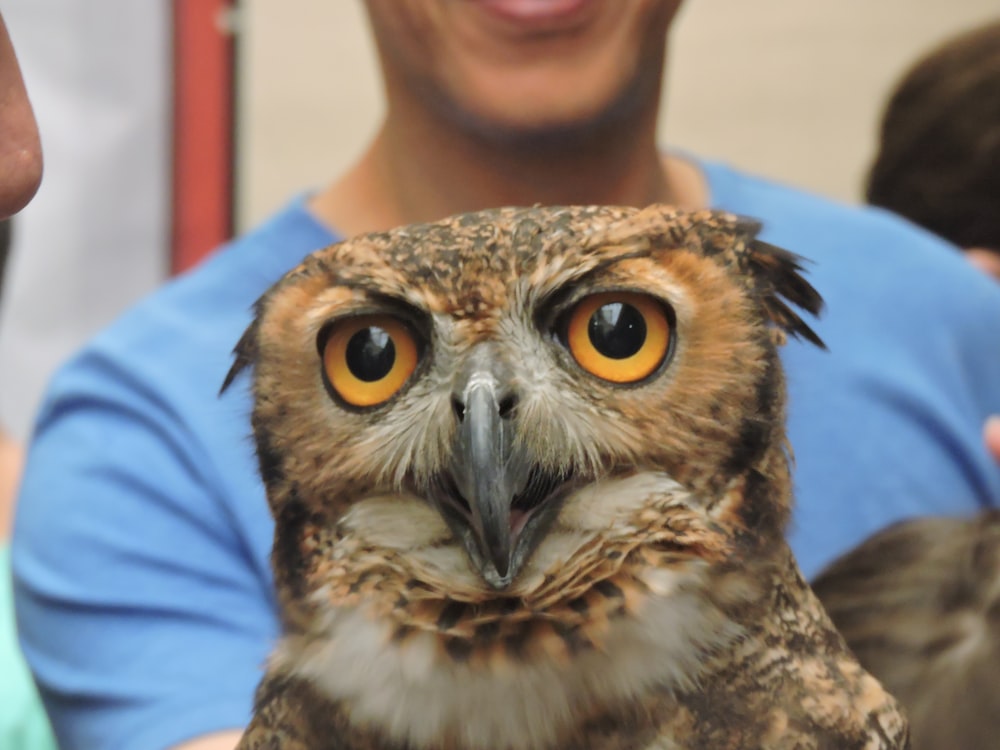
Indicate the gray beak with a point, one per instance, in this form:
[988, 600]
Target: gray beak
[494, 496]
[482, 468]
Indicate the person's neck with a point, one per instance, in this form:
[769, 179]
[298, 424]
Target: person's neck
[417, 171]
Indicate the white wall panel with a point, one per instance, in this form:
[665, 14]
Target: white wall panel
[95, 237]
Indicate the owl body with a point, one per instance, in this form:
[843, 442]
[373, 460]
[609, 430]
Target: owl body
[529, 480]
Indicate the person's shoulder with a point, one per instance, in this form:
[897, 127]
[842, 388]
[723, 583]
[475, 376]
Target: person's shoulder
[864, 252]
[814, 219]
[230, 280]
[187, 328]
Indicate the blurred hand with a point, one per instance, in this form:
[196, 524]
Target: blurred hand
[987, 261]
[991, 433]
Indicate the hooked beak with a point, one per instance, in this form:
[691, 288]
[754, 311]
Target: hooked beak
[483, 472]
[495, 498]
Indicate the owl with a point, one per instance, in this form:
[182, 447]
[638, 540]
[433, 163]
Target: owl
[919, 604]
[529, 478]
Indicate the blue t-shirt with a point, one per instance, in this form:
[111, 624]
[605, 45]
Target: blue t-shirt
[142, 540]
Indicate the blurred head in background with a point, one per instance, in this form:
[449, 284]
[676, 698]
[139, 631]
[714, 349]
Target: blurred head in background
[938, 162]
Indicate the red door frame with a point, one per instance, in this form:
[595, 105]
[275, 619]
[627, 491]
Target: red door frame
[204, 97]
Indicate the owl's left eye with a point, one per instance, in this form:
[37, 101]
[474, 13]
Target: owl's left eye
[622, 337]
[368, 359]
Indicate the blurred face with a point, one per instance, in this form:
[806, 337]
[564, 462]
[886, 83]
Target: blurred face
[20, 151]
[518, 66]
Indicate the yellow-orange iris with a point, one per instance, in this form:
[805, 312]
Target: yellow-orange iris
[619, 336]
[369, 358]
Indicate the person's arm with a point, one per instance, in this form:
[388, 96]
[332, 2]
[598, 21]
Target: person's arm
[10, 472]
[141, 610]
[217, 741]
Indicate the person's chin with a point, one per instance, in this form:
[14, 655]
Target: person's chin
[545, 127]
[543, 107]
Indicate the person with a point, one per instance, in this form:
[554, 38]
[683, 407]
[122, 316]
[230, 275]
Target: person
[141, 544]
[917, 605]
[22, 722]
[938, 158]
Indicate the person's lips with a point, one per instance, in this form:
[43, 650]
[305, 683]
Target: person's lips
[539, 15]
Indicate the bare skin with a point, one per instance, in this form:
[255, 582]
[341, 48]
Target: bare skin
[20, 149]
[11, 456]
[460, 141]
[986, 260]
[216, 741]
[991, 434]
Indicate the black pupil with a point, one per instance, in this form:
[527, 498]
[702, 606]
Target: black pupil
[370, 354]
[617, 330]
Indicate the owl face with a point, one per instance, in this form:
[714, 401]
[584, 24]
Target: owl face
[457, 390]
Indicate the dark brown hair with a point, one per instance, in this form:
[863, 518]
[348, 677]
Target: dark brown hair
[938, 162]
[919, 605]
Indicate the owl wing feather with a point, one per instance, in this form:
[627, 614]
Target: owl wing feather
[790, 683]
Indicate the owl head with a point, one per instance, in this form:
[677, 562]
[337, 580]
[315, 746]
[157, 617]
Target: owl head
[455, 396]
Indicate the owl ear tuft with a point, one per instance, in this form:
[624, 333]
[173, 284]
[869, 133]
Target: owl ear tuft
[779, 278]
[244, 355]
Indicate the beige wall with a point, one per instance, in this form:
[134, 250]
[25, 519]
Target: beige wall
[787, 88]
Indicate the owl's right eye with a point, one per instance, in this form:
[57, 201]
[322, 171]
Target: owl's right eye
[369, 358]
